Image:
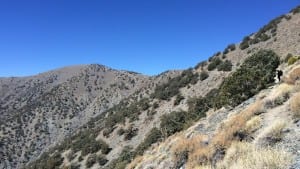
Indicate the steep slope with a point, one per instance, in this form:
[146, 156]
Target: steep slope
[262, 132]
[157, 111]
[40, 111]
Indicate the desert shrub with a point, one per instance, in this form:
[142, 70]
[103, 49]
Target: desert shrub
[295, 10]
[226, 50]
[203, 75]
[152, 137]
[255, 74]
[245, 43]
[47, 161]
[121, 131]
[155, 105]
[124, 158]
[178, 99]
[91, 160]
[101, 159]
[230, 47]
[197, 107]
[170, 89]
[144, 104]
[86, 143]
[130, 133]
[173, 122]
[272, 134]
[288, 56]
[225, 66]
[74, 166]
[214, 63]
[293, 76]
[201, 65]
[292, 60]
[295, 105]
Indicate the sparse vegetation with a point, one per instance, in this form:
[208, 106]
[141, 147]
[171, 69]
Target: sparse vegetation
[292, 60]
[243, 155]
[225, 66]
[293, 76]
[295, 10]
[152, 137]
[216, 61]
[203, 75]
[230, 47]
[178, 99]
[272, 134]
[295, 105]
[170, 89]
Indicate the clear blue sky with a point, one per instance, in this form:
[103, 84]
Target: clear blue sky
[146, 36]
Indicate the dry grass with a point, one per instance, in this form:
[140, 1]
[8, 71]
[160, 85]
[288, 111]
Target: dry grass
[295, 105]
[236, 124]
[253, 124]
[272, 134]
[188, 149]
[246, 156]
[279, 95]
[293, 76]
[199, 156]
[133, 164]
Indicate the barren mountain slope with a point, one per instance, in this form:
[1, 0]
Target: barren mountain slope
[39, 111]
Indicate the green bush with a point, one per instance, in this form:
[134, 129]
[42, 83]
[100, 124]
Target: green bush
[178, 99]
[216, 61]
[295, 10]
[152, 137]
[124, 158]
[292, 60]
[201, 65]
[256, 73]
[173, 122]
[203, 75]
[230, 47]
[101, 159]
[47, 161]
[197, 107]
[225, 66]
[121, 131]
[91, 160]
[130, 133]
[245, 43]
[170, 89]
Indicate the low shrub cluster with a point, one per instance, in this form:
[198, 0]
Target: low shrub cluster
[295, 105]
[216, 61]
[170, 89]
[230, 47]
[295, 10]
[47, 161]
[204, 75]
[264, 33]
[152, 137]
[225, 66]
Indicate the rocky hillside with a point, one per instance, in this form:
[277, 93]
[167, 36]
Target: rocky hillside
[196, 118]
[39, 111]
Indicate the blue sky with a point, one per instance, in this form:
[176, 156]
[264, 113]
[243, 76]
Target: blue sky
[146, 36]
